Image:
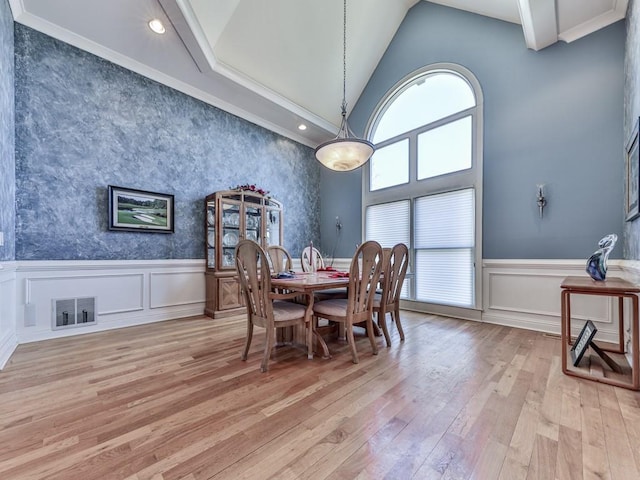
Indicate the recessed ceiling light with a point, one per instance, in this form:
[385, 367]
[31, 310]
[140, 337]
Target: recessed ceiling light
[302, 126]
[157, 26]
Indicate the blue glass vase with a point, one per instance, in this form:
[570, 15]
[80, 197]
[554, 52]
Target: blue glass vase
[597, 263]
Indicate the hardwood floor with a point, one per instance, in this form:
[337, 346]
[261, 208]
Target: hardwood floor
[456, 400]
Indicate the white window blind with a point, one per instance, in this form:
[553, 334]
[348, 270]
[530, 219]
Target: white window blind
[389, 223]
[444, 242]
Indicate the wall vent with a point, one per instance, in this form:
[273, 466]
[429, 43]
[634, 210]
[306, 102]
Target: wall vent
[73, 312]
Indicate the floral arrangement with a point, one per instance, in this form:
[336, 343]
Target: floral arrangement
[251, 188]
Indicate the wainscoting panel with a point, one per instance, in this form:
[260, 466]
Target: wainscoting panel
[119, 293]
[168, 289]
[518, 293]
[631, 272]
[127, 293]
[8, 337]
[526, 294]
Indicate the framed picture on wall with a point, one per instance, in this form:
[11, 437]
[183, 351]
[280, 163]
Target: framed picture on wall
[140, 211]
[632, 174]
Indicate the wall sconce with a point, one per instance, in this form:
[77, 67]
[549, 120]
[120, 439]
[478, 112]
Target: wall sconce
[540, 199]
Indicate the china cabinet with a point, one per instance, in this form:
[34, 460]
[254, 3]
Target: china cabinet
[231, 216]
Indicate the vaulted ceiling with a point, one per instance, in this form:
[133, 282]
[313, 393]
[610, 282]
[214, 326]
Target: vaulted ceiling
[278, 63]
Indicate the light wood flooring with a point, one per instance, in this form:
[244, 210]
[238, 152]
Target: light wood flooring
[173, 400]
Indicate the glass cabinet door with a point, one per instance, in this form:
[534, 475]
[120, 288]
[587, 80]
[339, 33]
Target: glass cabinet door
[230, 232]
[253, 223]
[211, 234]
[273, 226]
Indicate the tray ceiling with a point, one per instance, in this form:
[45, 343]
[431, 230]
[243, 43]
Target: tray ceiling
[278, 63]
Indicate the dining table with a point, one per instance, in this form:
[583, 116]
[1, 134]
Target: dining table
[310, 283]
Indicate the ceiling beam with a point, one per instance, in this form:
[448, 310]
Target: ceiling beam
[617, 12]
[539, 23]
[190, 32]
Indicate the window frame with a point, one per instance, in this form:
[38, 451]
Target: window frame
[469, 178]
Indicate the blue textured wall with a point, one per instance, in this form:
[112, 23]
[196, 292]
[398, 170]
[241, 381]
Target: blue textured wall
[83, 123]
[552, 117]
[632, 112]
[340, 199]
[7, 129]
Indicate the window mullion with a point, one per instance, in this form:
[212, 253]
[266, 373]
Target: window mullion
[413, 158]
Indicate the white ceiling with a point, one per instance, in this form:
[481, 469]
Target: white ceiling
[278, 63]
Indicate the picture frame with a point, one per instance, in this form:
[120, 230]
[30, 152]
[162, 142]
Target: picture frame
[134, 210]
[632, 176]
[582, 342]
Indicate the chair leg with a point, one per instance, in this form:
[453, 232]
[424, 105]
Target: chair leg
[372, 338]
[264, 366]
[396, 314]
[352, 342]
[247, 343]
[382, 323]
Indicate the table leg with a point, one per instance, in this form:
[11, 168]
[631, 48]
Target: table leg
[635, 343]
[564, 339]
[568, 318]
[620, 325]
[320, 340]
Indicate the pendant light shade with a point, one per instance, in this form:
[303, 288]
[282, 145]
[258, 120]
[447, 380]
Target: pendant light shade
[346, 151]
[344, 154]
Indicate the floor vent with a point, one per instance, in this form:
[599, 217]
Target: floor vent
[74, 312]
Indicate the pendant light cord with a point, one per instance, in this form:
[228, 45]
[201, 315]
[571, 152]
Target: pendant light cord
[345, 152]
[344, 62]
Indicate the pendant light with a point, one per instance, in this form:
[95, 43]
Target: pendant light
[346, 151]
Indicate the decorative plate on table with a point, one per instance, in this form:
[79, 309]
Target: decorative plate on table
[234, 219]
[230, 239]
[211, 239]
[211, 218]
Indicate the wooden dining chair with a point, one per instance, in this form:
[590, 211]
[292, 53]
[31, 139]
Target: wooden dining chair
[364, 274]
[311, 256]
[280, 259]
[266, 308]
[388, 301]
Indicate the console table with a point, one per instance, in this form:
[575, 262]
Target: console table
[612, 287]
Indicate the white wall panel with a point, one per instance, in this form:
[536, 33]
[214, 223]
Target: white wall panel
[118, 293]
[176, 288]
[518, 293]
[8, 337]
[631, 269]
[124, 292]
[526, 294]
[540, 295]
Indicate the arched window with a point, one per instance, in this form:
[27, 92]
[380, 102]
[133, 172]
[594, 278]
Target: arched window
[423, 184]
